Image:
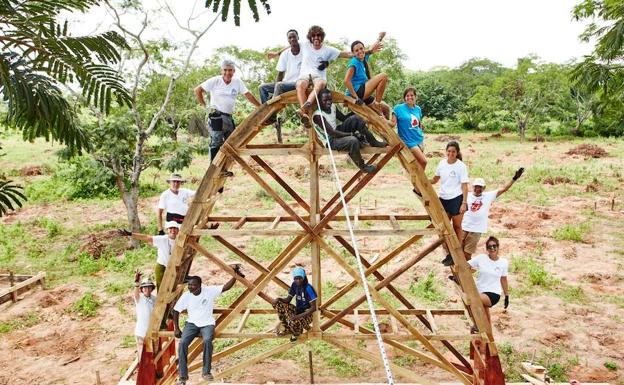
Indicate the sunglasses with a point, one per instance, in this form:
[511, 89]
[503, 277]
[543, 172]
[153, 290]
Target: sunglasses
[317, 35]
[491, 247]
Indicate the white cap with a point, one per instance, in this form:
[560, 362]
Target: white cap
[171, 224]
[479, 182]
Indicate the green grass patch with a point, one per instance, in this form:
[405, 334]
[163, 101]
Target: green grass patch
[427, 289]
[572, 232]
[266, 249]
[86, 306]
[127, 341]
[611, 365]
[23, 322]
[573, 294]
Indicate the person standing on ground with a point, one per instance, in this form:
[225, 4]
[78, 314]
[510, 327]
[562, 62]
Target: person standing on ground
[475, 220]
[359, 82]
[492, 279]
[296, 318]
[173, 202]
[349, 136]
[163, 243]
[408, 119]
[453, 176]
[144, 302]
[316, 59]
[223, 91]
[198, 302]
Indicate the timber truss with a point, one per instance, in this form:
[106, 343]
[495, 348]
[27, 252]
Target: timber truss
[316, 224]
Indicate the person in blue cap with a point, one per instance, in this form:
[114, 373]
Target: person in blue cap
[297, 317]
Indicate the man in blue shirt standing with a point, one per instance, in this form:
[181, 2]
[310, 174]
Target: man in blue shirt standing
[297, 317]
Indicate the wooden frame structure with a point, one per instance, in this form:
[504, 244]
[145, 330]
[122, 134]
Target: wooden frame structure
[316, 228]
[19, 284]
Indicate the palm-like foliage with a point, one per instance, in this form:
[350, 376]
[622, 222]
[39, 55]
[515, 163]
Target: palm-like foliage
[236, 5]
[11, 196]
[37, 55]
[603, 70]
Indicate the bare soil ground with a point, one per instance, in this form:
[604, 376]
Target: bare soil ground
[574, 320]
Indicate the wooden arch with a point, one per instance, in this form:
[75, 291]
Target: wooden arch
[158, 364]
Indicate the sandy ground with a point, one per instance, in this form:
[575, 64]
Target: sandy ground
[65, 349]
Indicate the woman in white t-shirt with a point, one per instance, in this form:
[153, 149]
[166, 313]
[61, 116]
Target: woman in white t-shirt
[453, 176]
[492, 279]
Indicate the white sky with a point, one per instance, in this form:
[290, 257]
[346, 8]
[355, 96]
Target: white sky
[431, 33]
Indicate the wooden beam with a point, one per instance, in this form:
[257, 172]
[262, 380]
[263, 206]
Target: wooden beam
[337, 218]
[249, 232]
[378, 232]
[275, 223]
[241, 222]
[434, 326]
[12, 292]
[243, 319]
[394, 223]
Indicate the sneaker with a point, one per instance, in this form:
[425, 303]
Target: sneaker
[377, 143]
[453, 278]
[448, 260]
[226, 173]
[417, 192]
[181, 382]
[220, 191]
[369, 168]
[474, 330]
[208, 377]
[293, 338]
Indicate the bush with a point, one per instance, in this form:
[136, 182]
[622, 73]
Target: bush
[572, 232]
[86, 306]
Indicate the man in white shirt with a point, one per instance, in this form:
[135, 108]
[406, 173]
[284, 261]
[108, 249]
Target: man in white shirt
[288, 68]
[475, 221]
[198, 302]
[315, 60]
[144, 302]
[223, 92]
[173, 202]
[163, 243]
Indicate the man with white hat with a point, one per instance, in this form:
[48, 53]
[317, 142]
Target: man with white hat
[173, 202]
[163, 243]
[144, 302]
[475, 219]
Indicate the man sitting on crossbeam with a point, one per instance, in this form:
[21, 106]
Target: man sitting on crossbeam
[350, 136]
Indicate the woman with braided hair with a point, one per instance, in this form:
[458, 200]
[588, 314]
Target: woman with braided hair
[295, 318]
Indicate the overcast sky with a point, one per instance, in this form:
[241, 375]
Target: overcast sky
[431, 33]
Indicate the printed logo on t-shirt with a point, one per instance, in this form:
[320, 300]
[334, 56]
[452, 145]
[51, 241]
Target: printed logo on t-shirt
[498, 269]
[476, 205]
[414, 121]
[452, 174]
[234, 92]
[204, 302]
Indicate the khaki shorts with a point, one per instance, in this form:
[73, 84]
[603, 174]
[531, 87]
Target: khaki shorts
[469, 241]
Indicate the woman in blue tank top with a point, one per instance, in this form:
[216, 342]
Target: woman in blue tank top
[407, 117]
[360, 84]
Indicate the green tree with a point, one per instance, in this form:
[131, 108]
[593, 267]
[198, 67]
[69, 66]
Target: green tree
[602, 72]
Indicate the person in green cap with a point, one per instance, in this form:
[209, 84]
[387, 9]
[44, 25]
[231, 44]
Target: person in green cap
[297, 317]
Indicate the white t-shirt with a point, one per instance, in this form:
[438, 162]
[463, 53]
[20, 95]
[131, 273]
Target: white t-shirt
[165, 245]
[312, 58]
[476, 218]
[490, 273]
[144, 307]
[223, 96]
[175, 203]
[291, 64]
[199, 307]
[451, 178]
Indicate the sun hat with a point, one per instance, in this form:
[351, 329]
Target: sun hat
[176, 177]
[147, 283]
[478, 182]
[171, 224]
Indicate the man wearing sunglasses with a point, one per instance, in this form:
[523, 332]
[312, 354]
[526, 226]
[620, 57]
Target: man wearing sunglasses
[475, 221]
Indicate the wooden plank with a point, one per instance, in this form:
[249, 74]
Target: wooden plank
[381, 311]
[394, 223]
[275, 223]
[315, 210]
[243, 319]
[356, 323]
[324, 232]
[378, 232]
[20, 287]
[241, 222]
[434, 326]
[128, 373]
[337, 218]
[249, 232]
[393, 324]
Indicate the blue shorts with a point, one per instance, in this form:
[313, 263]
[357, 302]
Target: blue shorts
[453, 205]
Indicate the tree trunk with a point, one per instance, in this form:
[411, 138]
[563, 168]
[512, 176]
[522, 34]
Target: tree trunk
[522, 129]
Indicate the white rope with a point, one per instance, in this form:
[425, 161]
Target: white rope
[371, 307]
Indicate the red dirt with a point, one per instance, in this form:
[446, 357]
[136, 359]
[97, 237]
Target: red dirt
[556, 180]
[588, 151]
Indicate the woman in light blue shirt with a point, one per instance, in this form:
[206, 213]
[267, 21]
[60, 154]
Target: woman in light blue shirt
[407, 117]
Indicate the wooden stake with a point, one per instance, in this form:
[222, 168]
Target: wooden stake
[311, 367]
